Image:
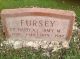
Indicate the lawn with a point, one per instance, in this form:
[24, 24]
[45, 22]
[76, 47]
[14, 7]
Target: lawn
[28, 53]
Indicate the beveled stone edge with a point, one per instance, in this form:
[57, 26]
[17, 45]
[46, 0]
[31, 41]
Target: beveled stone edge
[46, 10]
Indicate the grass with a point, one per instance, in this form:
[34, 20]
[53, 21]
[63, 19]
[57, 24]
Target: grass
[27, 53]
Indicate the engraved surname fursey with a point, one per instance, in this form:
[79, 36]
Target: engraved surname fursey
[37, 23]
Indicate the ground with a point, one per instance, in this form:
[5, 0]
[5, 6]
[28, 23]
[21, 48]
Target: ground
[72, 53]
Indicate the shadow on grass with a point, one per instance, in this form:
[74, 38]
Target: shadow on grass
[71, 2]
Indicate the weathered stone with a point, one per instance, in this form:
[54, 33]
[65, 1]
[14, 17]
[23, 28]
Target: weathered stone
[79, 33]
[36, 24]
